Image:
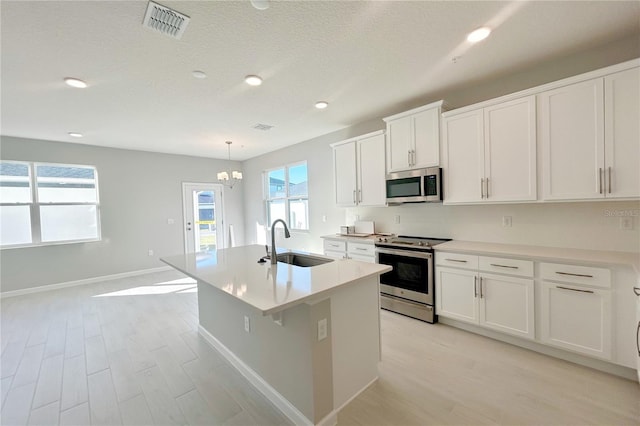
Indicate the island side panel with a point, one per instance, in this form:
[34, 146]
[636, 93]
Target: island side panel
[356, 338]
[281, 355]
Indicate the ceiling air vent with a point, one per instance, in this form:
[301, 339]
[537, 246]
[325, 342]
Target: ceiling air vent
[165, 20]
[264, 127]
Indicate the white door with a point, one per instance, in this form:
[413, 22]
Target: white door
[399, 144]
[344, 165]
[464, 158]
[426, 136]
[510, 150]
[371, 174]
[622, 134]
[203, 218]
[506, 305]
[572, 127]
[456, 294]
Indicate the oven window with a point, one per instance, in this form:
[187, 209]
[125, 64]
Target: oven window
[409, 273]
[408, 187]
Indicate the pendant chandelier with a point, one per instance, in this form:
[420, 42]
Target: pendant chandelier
[229, 178]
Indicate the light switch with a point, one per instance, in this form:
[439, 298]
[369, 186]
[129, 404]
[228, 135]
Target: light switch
[322, 329]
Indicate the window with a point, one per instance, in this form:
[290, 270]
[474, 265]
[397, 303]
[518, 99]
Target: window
[47, 204]
[287, 196]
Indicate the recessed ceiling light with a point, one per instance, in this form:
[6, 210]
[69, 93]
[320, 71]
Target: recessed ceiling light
[74, 82]
[479, 34]
[199, 74]
[322, 104]
[75, 134]
[253, 80]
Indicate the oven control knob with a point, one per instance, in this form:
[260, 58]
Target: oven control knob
[420, 243]
[386, 239]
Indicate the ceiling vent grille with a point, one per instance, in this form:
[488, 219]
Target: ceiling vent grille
[263, 127]
[165, 20]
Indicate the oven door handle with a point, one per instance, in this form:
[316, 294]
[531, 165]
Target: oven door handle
[405, 253]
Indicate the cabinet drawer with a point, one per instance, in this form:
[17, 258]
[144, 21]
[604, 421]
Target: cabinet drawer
[456, 260]
[523, 268]
[361, 249]
[586, 275]
[335, 245]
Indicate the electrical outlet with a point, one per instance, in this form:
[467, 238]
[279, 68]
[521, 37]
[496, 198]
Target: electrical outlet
[322, 329]
[396, 219]
[150, 252]
[247, 324]
[170, 221]
[626, 223]
[324, 217]
[506, 221]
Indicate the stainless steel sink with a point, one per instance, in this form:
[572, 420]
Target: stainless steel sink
[304, 260]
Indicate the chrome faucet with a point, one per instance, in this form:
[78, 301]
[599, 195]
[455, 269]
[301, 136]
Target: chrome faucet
[274, 260]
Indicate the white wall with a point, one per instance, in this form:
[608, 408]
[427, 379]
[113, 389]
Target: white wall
[579, 225]
[139, 191]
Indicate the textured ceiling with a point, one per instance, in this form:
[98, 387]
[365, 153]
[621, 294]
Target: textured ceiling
[363, 57]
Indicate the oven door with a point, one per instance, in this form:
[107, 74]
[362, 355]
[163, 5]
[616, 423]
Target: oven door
[411, 277]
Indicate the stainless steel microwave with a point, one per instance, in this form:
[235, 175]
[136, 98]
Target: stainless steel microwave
[415, 186]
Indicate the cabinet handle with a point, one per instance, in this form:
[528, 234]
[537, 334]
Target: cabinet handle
[600, 179]
[574, 275]
[409, 157]
[480, 287]
[636, 290]
[574, 289]
[481, 187]
[487, 184]
[360, 248]
[609, 180]
[503, 266]
[456, 260]
[475, 286]
[354, 196]
[638, 338]
[413, 157]
[359, 195]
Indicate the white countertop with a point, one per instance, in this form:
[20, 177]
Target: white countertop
[270, 288]
[370, 239]
[551, 254]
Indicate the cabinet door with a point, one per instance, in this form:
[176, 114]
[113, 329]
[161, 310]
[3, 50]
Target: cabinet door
[572, 126]
[507, 305]
[577, 318]
[344, 172]
[464, 158]
[371, 171]
[622, 134]
[456, 294]
[510, 150]
[335, 254]
[398, 144]
[426, 139]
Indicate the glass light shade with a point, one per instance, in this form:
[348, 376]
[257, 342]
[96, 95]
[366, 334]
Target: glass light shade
[223, 176]
[236, 175]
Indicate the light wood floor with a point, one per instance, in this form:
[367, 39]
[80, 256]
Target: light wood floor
[127, 352]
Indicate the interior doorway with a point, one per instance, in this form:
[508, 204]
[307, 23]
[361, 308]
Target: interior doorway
[203, 217]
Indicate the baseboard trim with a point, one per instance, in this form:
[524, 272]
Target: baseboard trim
[596, 364]
[281, 403]
[81, 282]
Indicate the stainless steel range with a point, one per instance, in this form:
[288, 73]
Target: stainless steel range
[409, 288]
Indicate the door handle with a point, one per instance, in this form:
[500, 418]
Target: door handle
[475, 286]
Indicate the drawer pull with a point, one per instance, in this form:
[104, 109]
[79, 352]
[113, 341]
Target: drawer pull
[574, 289]
[503, 266]
[360, 248]
[574, 275]
[636, 290]
[456, 260]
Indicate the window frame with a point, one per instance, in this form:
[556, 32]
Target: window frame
[35, 204]
[287, 198]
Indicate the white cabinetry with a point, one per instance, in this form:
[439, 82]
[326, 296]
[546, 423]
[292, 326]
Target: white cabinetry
[501, 302]
[591, 139]
[576, 308]
[344, 248]
[413, 138]
[359, 171]
[490, 153]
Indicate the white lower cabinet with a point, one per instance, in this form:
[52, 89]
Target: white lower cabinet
[342, 248]
[499, 302]
[577, 317]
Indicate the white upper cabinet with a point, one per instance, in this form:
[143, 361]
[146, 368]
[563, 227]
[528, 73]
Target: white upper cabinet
[490, 153]
[413, 138]
[359, 171]
[591, 138]
[622, 134]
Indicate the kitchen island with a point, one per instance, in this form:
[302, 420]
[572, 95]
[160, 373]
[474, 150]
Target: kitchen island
[308, 338]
